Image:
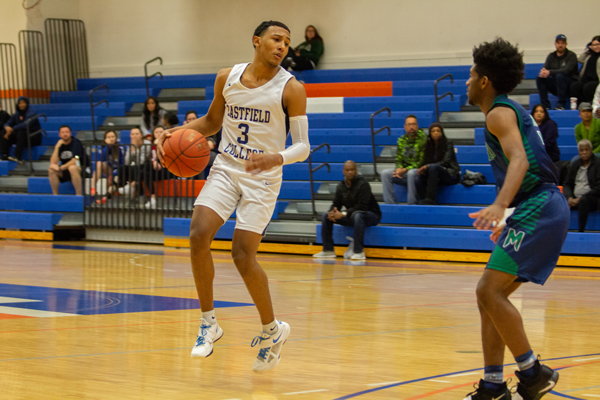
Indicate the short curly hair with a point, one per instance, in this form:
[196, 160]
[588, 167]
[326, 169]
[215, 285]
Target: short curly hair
[501, 62]
[266, 25]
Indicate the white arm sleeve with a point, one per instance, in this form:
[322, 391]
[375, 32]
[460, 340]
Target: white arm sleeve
[596, 103]
[300, 147]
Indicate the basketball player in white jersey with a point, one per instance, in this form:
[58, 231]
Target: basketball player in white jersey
[254, 103]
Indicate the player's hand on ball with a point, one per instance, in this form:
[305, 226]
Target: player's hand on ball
[488, 217]
[160, 152]
[263, 162]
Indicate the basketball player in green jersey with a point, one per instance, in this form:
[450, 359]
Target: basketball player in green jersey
[529, 243]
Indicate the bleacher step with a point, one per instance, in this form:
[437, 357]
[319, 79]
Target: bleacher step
[13, 184]
[168, 95]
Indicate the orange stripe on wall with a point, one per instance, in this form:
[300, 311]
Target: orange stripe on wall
[348, 89]
[14, 93]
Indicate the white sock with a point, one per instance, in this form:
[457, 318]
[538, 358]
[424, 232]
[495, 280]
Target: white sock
[270, 328]
[209, 316]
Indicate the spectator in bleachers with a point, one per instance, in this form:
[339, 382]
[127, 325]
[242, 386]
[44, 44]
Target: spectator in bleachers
[549, 130]
[152, 115]
[108, 159]
[353, 193]
[588, 128]
[585, 87]
[560, 70]
[582, 186]
[170, 120]
[439, 165]
[15, 131]
[307, 54]
[409, 157]
[129, 174]
[4, 117]
[190, 116]
[153, 170]
[65, 163]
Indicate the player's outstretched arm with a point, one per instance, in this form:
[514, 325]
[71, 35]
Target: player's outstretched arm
[502, 122]
[294, 100]
[208, 124]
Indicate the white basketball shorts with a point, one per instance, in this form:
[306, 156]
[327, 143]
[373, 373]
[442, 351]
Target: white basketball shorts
[230, 187]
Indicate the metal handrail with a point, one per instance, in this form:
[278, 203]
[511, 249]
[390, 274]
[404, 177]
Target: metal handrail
[310, 172]
[153, 75]
[92, 105]
[29, 135]
[437, 109]
[375, 132]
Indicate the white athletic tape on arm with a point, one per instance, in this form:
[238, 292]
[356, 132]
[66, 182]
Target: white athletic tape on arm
[300, 147]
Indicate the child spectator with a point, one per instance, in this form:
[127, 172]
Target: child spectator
[129, 174]
[108, 159]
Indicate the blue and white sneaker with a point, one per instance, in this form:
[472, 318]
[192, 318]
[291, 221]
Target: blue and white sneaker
[270, 348]
[207, 335]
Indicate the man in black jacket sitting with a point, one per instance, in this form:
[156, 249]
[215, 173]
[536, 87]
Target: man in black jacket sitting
[353, 193]
[582, 186]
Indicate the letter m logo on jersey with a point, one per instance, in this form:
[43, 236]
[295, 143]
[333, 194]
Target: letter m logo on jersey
[515, 238]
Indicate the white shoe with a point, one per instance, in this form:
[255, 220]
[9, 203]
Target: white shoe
[270, 348]
[125, 190]
[207, 335]
[151, 205]
[325, 254]
[358, 256]
[350, 251]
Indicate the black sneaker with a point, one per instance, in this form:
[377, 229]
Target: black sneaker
[535, 388]
[481, 393]
[559, 107]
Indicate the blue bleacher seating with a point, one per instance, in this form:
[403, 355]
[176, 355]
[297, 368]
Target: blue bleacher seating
[36, 152]
[31, 202]
[450, 238]
[75, 123]
[114, 109]
[457, 194]
[566, 137]
[139, 82]
[362, 120]
[401, 103]
[6, 167]
[119, 95]
[28, 221]
[41, 185]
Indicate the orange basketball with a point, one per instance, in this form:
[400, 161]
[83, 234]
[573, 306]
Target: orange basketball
[186, 153]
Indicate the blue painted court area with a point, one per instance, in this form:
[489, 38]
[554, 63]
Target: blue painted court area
[90, 302]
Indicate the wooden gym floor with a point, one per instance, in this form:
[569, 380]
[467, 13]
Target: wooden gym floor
[109, 321]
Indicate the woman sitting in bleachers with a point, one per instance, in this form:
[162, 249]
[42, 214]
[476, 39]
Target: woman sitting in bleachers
[549, 131]
[307, 54]
[439, 165]
[108, 158]
[152, 115]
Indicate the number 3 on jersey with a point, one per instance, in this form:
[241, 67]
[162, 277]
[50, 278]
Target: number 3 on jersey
[244, 138]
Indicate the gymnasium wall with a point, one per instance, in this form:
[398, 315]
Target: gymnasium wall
[202, 36]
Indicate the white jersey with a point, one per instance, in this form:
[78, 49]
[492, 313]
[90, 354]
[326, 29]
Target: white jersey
[254, 120]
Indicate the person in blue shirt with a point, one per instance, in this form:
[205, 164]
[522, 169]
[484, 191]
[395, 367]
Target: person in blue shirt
[529, 243]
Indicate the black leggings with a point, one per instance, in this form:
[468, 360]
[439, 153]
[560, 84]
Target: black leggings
[583, 91]
[20, 139]
[587, 204]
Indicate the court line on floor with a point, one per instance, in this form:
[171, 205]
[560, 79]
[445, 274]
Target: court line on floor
[245, 317]
[363, 392]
